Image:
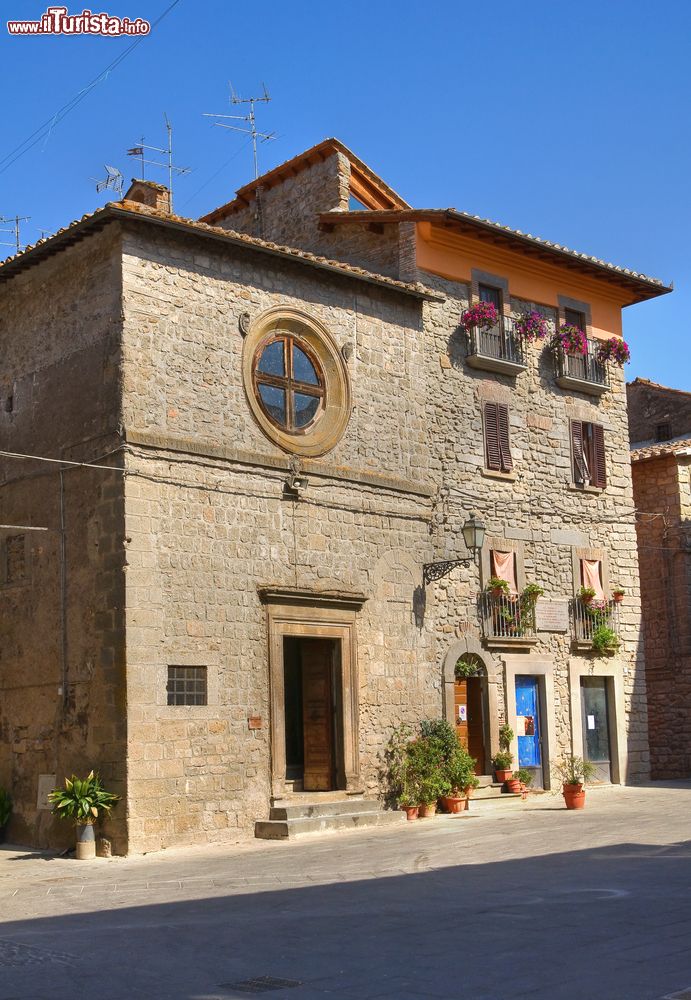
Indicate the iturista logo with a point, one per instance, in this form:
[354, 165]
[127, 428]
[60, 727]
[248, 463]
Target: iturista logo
[57, 21]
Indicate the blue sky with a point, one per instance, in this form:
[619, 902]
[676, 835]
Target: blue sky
[568, 121]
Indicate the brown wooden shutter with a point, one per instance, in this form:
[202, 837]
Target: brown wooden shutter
[579, 470]
[599, 471]
[503, 435]
[492, 449]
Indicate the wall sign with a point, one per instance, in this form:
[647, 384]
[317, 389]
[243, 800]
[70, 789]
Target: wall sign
[462, 713]
[46, 784]
[552, 616]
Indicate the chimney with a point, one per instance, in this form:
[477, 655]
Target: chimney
[148, 193]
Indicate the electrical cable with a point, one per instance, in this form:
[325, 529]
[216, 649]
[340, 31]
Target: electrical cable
[47, 127]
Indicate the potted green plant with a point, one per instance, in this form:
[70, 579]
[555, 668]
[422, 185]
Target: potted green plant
[83, 800]
[573, 773]
[497, 587]
[618, 595]
[605, 640]
[586, 595]
[503, 760]
[458, 775]
[409, 803]
[5, 812]
[525, 777]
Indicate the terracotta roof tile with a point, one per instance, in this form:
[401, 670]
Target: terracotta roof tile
[661, 449]
[133, 210]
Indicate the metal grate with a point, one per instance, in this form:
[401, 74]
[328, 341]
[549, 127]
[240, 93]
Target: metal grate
[187, 686]
[261, 984]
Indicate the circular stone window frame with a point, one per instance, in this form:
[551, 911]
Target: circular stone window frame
[326, 431]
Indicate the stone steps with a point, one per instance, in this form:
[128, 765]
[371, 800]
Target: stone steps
[305, 814]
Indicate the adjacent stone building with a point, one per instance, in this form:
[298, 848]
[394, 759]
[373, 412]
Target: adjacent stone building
[660, 429]
[279, 426]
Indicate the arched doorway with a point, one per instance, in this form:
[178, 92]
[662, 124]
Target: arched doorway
[470, 708]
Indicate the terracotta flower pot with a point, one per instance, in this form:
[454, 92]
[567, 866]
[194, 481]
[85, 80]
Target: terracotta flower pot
[513, 785]
[426, 810]
[410, 812]
[574, 796]
[453, 803]
[588, 599]
[498, 592]
[617, 598]
[503, 774]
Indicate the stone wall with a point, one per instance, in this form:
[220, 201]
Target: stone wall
[61, 680]
[208, 525]
[651, 406]
[663, 498]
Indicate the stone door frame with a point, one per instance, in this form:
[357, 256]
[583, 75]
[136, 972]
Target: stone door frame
[613, 672]
[468, 644]
[543, 669]
[311, 615]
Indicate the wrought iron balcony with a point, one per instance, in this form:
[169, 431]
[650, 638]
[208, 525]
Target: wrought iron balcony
[499, 349]
[582, 372]
[507, 620]
[586, 618]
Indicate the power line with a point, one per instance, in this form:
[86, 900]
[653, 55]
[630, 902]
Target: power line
[45, 129]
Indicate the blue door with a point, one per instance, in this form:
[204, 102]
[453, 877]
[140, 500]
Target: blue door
[528, 726]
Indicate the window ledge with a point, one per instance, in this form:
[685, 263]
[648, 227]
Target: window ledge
[500, 365]
[509, 477]
[581, 385]
[575, 488]
[511, 642]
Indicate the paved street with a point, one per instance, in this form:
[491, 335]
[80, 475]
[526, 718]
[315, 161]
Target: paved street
[516, 900]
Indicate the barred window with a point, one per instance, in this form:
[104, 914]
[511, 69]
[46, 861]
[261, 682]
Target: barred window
[187, 686]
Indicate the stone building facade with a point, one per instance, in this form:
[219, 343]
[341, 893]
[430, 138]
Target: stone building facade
[662, 494]
[271, 442]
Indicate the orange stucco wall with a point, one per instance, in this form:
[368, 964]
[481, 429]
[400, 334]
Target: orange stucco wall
[453, 256]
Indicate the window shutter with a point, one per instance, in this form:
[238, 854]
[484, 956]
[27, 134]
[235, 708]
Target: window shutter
[599, 472]
[492, 450]
[503, 435]
[579, 469]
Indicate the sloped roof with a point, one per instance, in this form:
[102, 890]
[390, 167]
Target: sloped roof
[657, 385]
[662, 449]
[135, 211]
[322, 151]
[644, 286]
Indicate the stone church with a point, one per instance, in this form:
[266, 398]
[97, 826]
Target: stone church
[237, 457]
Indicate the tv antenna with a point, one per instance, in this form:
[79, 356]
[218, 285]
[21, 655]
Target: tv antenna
[113, 181]
[250, 119]
[167, 152]
[16, 222]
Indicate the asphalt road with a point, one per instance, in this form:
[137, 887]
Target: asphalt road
[522, 900]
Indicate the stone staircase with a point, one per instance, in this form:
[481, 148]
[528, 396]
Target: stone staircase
[317, 812]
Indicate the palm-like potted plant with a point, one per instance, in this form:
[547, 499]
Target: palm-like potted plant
[83, 800]
[5, 812]
[574, 772]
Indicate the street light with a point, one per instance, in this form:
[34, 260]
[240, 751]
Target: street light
[473, 532]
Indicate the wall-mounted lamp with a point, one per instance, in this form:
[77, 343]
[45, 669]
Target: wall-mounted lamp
[473, 532]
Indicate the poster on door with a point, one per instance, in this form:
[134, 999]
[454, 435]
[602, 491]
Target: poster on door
[462, 714]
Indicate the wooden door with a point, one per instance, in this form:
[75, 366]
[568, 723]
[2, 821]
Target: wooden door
[469, 720]
[476, 723]
[317, 713]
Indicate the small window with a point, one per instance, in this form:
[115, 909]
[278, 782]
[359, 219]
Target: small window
[488, 293]
[588, 454]
[663, 432]
[289, 384]
[15, 558]
[497, 443]
[187, 686]
[575, 318]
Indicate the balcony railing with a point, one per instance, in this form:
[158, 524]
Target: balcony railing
[586, 618]
[506, 618]
[582, 371]
[498, 349]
